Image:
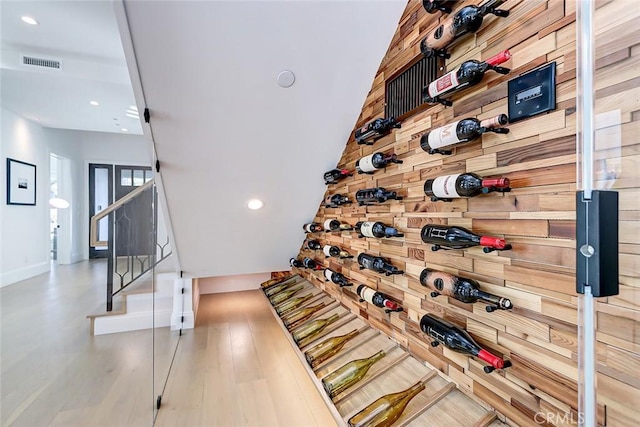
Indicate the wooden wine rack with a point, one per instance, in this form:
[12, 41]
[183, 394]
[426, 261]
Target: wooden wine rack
[440, 404]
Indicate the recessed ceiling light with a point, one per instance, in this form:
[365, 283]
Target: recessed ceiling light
[29, 20]
[255, 204]
[125, 130]
[94, 103]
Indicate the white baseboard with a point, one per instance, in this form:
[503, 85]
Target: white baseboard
[11, 277]
[131, 322]
[189, 321]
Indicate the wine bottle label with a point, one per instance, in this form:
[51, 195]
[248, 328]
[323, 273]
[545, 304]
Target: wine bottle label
[367, 294]
[445, 186]
[365, 164]
[437, 233]
[366, 229]
[327, 224]
[442, 36]
[328, 274]
[326, 250]
[444, 136]
[443, 84]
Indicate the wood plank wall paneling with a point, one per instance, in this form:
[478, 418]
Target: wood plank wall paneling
[537, 217]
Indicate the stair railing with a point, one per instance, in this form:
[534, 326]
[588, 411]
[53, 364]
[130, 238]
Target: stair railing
[132, 238]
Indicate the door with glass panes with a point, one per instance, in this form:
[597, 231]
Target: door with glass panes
[135, 220]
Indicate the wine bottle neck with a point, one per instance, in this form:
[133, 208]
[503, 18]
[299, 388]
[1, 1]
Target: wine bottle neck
[493, 242]
[496, 183]
[332, 318]
[491, 359]
[379, 355]
[415, 389]
[503, 303]
[498, 59]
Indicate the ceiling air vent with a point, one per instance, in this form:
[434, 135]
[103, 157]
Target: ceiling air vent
[33, 61]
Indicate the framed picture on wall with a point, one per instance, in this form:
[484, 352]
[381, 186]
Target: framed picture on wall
[21, 183]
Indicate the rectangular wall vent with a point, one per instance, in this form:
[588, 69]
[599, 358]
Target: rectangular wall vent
[403, 92]
[33, 61]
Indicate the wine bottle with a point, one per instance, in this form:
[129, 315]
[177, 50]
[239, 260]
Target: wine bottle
[327, 348]
[462, 289]
[376, 229]
[305, 333]
[278, 280]
[336, 201]
[371, 196]
[335, 175]
[335, 225]
[296, 318]
[464, 130]
[467, 74]
[311, 227]
[459, 340]
[293, 262]
[369, 164]
[279, 288]
[377, 298]
[310, 263]
[337, 278]
[292, 304]
[449, 187]
[432, 6]
[349, 374]
[314, 245]
[284, 295]
[377, 264]
[374, 130]
[336, 252]
[466, 20]
[386, 410]
[454, 237]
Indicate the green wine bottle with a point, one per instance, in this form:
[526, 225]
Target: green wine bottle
[285, 295]
[349, 374]
[304, 334]
[272, 282]
[298, 317]
[291, 304]
[327, 348]
[387, 409]
[271, 291]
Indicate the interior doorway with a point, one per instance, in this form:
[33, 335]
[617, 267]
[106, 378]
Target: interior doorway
[60, 195]
[100, 196]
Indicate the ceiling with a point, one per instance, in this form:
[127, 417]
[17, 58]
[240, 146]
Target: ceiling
[84, 35]
[225, 132]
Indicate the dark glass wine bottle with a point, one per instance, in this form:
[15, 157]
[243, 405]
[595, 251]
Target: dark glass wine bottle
[378, 299]
[292, 304]
[454, 237]
[370, 196]
[459, 340]
[386, 410]
[335, 201]
[467, 74]
[311, 264]
[335, 175]
[432, 6]
[449, 187]
[337, 278]
[336, 252]
[327, 348]
[305, 333]
[311, 227]
[466, 20]
[293, 262]
[376, 229]
[284, 295]
[314, 245]
[369, 164]
[377, 264]
[335, 225]
[459, 132]
[349, 374]
[374, 130]
[297, 317]
[462, 289]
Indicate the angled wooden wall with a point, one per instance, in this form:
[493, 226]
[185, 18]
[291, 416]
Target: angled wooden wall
[537, 217]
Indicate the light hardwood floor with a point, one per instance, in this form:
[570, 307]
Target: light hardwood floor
[235, 369]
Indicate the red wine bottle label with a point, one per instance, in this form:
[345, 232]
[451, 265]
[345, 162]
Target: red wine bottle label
[443, 84]
[328, 274]
[365, 164]
[326, 250]
[367, 294]
[444, 136]
[327, 224]
[366, 229]
[445, 186]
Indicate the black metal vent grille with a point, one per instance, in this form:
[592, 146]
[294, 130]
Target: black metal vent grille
[403, 92]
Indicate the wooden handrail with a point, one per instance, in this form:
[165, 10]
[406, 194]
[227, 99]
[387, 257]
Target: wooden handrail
[112, 207]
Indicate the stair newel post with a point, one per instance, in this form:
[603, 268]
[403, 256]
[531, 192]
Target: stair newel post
[110, 255]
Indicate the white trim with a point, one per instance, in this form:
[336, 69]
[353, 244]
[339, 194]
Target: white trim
[23, 273]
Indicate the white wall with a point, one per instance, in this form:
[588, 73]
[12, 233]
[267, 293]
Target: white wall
[241, 282]
[24, 236]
